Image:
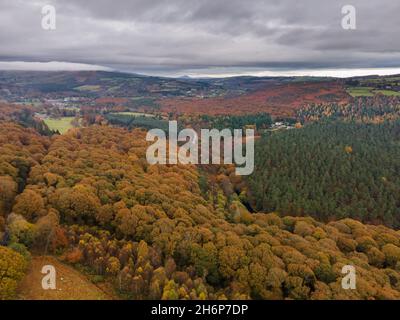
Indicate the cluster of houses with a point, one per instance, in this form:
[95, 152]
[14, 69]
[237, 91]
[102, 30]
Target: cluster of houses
[280, 126]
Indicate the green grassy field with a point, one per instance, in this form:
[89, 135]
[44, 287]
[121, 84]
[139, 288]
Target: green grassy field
[360, 92]
[88, 88]
[388, 92]
[369, 92]
[61, 124]
[387, 80]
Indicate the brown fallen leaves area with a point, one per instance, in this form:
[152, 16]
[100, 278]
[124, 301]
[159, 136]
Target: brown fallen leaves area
[71, 285]
[281, 100]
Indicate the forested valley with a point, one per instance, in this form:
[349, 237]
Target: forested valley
[90, 198]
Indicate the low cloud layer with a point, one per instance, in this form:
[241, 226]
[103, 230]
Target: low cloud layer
[203, 37]
[49, 66]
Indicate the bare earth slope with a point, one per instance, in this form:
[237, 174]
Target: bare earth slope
[71, 285]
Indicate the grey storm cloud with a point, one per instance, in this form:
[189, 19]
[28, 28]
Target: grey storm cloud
[178, 35]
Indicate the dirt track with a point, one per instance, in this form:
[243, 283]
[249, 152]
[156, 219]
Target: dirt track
[70, 284]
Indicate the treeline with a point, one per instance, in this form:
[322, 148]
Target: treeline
[375, 109]
[23, 115]
[259, 120]
[330, 170]
[156, 232]
[130, 122]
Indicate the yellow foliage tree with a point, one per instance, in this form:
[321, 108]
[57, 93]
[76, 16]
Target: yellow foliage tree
[12, 268]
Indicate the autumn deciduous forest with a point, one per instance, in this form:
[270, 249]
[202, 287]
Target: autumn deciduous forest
[90, 198]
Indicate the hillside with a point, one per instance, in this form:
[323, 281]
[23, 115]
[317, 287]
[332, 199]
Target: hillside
[155, 232]
[70, 284]
[280, 96]
[281, 100]
[102, 84]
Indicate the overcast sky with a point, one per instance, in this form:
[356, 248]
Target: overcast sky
[202, 38]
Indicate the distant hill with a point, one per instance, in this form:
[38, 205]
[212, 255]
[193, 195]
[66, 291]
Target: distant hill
[82, 83]
[280, 99]
[279, 96]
